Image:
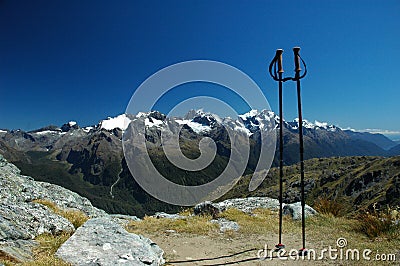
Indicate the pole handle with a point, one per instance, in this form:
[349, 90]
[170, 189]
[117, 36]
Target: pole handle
[296, 51]
[278, 57]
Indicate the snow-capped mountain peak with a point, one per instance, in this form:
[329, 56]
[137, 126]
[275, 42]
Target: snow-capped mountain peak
[202, 122]
[251, 113]
[307, 124]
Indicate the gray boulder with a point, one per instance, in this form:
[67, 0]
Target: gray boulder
[226, 225]
[208, 208]
[101, 241]
[294, 210]
[26, 220]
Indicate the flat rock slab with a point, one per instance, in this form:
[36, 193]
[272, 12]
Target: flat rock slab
[164, 215]
[249, 204]
[102, 241]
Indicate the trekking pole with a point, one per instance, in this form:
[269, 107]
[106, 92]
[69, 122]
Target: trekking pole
[297, 58]
[278, 61]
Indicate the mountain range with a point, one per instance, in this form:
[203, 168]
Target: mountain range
[89, 160]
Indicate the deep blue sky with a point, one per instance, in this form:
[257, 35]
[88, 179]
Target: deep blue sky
[82, 60]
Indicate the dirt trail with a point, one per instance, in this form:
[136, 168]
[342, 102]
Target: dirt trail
[184, 249]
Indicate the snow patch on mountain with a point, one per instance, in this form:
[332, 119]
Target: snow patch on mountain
[87, 129]
[142, 114]
[121, 122]
[46, 132]
[242, 128]
[321, 124]
[196, 127]
[152, 122]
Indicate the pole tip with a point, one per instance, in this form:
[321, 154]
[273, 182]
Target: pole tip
[279, 51]
[296, 49]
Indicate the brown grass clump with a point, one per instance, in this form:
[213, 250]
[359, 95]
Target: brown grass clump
[48, 246]
[327, 206]
[378, 223]
[6, 259]
[261, 221]
[76, 217]
[199, 225]
[43, 253]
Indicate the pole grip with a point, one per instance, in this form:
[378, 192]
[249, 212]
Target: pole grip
[296, 51]
[278, 56]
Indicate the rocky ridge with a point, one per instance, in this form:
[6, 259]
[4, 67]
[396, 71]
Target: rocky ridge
[22, 219]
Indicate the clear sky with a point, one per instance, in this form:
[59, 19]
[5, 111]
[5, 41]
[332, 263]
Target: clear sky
[82, 60]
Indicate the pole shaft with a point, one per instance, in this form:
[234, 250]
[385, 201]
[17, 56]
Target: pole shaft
[297, 69]
[301, 163]
[280, 158]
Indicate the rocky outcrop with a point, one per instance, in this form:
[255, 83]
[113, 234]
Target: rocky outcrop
[22, 219]
[251, 203]
[69, 126]
[17, 188]
[100, 241]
